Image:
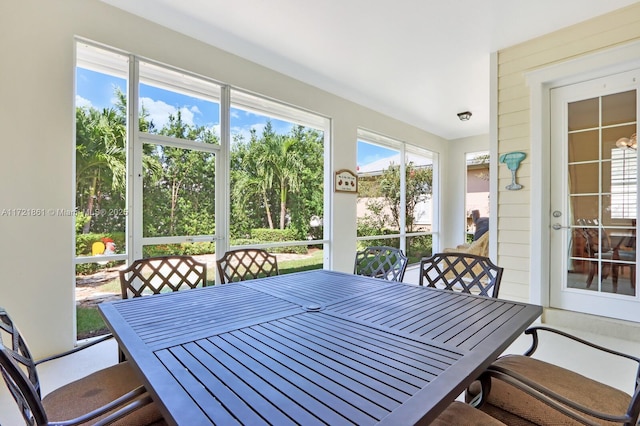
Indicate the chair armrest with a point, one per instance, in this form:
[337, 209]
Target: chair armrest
[76, 349]
[126, 404]
[558, 402]
[533, 331]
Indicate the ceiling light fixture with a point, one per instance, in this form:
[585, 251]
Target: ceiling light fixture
[464, 116]
[628, 142]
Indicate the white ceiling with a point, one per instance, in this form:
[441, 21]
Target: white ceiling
[420, 61]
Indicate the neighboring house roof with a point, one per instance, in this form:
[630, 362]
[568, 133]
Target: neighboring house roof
[378, 166]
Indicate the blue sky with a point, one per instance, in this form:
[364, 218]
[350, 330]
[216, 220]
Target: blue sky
[97, 90]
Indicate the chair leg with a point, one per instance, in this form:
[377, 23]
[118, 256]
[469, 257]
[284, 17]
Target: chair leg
[593, 269]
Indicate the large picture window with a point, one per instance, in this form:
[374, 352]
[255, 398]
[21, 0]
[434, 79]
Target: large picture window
[172, 163]
[395, 205]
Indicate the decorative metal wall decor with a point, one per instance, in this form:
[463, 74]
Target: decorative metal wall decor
[512, 160]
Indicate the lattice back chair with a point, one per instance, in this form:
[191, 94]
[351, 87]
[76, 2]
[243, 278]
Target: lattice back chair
[156, 275]
[467, 273]
[111, 394]
[598, 246]
[246, 264]
[388, 263]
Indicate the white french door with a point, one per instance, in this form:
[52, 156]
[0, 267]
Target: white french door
[594, 197]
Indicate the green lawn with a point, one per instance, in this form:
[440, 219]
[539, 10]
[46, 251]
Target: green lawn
[90, 323]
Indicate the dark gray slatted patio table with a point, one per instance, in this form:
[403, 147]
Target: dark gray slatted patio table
[315, 347]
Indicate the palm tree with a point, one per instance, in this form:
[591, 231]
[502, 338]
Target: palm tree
[281, 165]
[100, 158]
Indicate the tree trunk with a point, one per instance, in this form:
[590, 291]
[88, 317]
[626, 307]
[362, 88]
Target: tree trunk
[283, 203]
[86, 228]
[268, 209]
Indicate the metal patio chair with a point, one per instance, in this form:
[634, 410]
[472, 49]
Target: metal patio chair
[519, 389]
[111, 394]
[246, 264]
[388, 263]
[467, 273]
[156, 275]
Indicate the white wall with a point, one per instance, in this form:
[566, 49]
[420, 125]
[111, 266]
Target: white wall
[523, 216]
[37, 91]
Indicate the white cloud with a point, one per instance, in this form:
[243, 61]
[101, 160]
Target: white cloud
[242, 131]
[82, 102]
[159, 112]
[187, 115]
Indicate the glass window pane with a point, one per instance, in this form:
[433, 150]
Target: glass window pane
[583, 114]
[623, 184]
[584, 207]
[277, 174]
[100, 152]
[418, 247]
[583, 178]
[583, 146]
[418, 190]
[178, 105]
[378, 208]
[179, 191]
[619, 108]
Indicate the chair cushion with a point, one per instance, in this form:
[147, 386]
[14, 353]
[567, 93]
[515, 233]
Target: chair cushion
[479, 247]
[578, 388]
[95, 390]
[459, 413]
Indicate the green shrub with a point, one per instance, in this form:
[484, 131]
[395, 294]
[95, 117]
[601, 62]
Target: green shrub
[273, 235]
[182, 249]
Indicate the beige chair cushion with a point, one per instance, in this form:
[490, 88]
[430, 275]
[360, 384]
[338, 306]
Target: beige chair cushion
[461, 414]
[479, 247]
[95, 390]
[522, 409]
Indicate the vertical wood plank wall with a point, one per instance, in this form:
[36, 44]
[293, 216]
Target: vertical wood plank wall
[514, 207]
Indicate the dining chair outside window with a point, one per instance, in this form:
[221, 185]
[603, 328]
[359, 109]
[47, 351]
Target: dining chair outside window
[467, 273]
[388, 263]
[156, 275]
[246, 264]
[519, 389]
[598, 246]
[110, 394]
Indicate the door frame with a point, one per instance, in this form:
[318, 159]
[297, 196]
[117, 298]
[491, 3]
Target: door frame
[601, 64]
[602, 303]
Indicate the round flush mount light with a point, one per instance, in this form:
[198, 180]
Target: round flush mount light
[464, 116]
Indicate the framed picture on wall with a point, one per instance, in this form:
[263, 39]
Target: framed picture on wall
[346, 181]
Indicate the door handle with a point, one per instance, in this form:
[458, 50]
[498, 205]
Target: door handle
[557, 226]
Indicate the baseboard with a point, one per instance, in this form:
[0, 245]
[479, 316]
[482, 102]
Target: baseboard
[625, 330]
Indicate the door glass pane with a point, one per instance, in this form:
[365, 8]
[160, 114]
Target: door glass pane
[584, 114]
[583, 146]
[603, 194]
[619, 108]
[583, 178]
